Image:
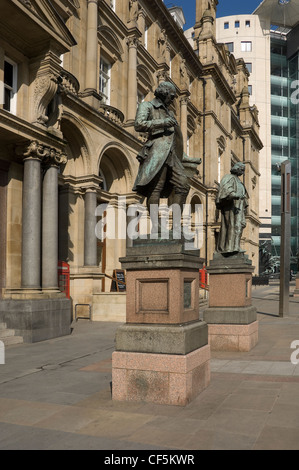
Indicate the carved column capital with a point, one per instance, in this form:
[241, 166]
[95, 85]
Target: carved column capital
[163, 76]
[39, 151]
[133, 42]
[184, 100]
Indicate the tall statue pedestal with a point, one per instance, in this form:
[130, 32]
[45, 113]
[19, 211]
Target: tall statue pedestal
[162, 353]
[231, 318]
[296, 291]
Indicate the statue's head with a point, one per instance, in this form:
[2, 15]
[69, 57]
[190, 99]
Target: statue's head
[238, 169]
[166, 92]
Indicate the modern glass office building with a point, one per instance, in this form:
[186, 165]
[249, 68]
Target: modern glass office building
[273, 32]
[284, 131]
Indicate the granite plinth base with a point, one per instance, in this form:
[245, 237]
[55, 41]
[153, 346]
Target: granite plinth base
[235, 338]
[164, 379]
[162, 354]
[37, 320]
[231, 318]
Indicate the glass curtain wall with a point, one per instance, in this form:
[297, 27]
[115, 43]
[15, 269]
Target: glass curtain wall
[279, 131]
[294, 153]
[284, 138]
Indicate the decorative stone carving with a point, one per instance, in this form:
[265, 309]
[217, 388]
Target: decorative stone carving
[163, 76]
[185, 83]
[162, 43]
[46, 85]
[41, 152]
[133, 11]
[132, 41]
[45, 90]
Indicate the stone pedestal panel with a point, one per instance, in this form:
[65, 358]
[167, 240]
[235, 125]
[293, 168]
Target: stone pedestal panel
[233, 289]
[162, 296]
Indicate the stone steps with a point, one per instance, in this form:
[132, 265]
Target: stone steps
[7, 335]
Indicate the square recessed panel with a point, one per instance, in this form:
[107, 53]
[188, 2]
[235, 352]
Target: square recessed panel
[153, 296]
[187, 294]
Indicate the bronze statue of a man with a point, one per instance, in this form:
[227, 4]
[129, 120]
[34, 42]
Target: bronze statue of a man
[161, 170]
[232, 201]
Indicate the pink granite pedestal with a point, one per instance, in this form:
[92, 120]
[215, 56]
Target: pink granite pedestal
[165, 379]
[231, 318]
[240, 338]
[162, 354]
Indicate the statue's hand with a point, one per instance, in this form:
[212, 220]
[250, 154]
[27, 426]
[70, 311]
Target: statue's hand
[195, 160]
[170, 122]
[141, 158]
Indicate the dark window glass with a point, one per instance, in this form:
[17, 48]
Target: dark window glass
[8, 74]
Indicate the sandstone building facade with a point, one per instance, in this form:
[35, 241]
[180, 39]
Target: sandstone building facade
[72, 73]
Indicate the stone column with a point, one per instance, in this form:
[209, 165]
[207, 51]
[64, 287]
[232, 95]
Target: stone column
[184, 125]
[90, 239]
[91, 70]
[31, 218]
[132, 79]
[50, 227]
[4, 167]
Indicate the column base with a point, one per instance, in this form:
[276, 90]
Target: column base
[37, 320]
[164, 379]
[235, 338]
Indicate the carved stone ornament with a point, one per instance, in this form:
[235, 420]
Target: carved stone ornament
[27, 3]
[41, 152]
[44, 91]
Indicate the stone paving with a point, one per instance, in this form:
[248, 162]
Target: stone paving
[56, 395]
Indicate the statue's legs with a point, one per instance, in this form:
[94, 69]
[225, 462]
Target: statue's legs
[180, 184]
[173, 177]
[240, 224]
[153, 199]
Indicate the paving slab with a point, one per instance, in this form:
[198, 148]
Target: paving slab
[56, 394]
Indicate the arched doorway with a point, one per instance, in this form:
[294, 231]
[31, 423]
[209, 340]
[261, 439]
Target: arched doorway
[116, 173]
[70, 199]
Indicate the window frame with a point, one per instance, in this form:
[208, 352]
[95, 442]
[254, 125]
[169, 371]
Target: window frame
[246, 44]
[228, 44]
[250, 66]
[105, 76]
[12, 89]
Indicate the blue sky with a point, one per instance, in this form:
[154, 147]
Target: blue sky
[225, 8]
